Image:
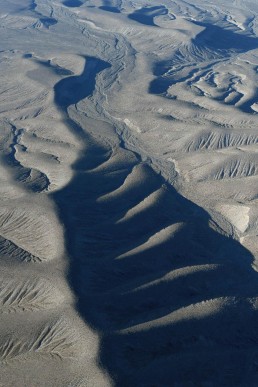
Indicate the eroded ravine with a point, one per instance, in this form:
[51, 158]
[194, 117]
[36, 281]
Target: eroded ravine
[109, 275]
[152, 274]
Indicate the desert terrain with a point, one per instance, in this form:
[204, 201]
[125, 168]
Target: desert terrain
[128, 195]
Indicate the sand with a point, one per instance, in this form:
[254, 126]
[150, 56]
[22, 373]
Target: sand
[128, 193]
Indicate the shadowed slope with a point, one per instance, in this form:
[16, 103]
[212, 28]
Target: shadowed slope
[173, 299]
[146, 15]
[71, 90]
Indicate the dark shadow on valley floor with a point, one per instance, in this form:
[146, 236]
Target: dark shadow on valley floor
[123, 275]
